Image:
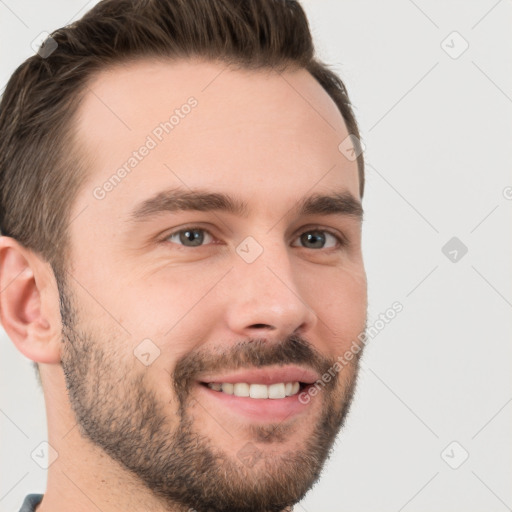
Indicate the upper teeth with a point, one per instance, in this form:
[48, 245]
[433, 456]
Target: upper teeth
[279, 390]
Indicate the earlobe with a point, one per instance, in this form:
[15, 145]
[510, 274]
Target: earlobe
[29, 304]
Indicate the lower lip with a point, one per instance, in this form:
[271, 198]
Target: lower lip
[259, 409]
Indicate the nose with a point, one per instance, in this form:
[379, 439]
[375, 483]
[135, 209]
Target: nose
[266, 298]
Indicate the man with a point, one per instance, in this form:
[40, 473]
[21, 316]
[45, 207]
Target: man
[181, 214]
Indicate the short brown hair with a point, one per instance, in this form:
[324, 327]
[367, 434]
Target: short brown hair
[41, 165]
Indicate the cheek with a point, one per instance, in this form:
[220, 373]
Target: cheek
[341, 305]
[153, 301]
[165, 309]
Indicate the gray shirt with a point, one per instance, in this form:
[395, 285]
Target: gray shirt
[30, 502]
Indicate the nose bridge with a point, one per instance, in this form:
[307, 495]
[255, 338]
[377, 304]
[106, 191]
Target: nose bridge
[266, 293]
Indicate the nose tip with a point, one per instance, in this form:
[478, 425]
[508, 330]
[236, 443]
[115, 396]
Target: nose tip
[269, 304]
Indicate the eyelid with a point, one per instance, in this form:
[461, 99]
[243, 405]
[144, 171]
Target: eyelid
[342, 240]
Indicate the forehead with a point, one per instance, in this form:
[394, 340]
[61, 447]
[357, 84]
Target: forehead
[207, 125]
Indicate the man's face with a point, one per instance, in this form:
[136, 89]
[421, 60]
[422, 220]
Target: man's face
[158, 305]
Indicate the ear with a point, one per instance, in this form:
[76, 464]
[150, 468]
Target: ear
[29, 302]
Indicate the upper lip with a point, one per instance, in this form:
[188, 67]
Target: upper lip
[266, 376]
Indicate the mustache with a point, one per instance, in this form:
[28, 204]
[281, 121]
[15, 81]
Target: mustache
[252, 353]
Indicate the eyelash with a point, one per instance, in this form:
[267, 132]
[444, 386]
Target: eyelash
[342, 241]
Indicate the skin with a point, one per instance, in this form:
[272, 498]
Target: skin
[136, 437]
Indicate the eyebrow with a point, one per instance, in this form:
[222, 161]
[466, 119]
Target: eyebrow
[176, 200]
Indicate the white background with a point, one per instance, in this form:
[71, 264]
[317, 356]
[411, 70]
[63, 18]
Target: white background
[438, 142]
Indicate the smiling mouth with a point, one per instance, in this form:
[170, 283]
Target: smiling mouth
[257, 402]
[275, 391]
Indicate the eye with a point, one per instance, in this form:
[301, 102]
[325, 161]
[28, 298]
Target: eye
[311, 239]
[320, 239]
[190, 237]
